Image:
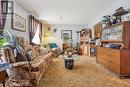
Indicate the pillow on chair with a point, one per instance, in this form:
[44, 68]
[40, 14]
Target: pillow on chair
[20, 54]
[53, 45]
[30, 54]
[43, 51]
[36, 50]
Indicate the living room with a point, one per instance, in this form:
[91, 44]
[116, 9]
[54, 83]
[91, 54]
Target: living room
[64, 43]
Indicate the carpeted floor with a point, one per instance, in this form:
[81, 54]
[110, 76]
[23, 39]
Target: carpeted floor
[86, 73]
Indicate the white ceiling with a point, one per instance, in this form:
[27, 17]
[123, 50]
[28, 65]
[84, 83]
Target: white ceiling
[67, 11]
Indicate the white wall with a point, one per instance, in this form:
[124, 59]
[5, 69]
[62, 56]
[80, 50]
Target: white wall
[56, 37]
[19, 10]
[111, 10]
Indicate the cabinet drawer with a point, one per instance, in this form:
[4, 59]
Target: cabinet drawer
[112, 58]
[110, 55]
[115, 67]
[110, 65]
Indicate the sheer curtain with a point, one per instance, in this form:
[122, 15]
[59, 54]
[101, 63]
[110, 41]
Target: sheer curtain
[36, 38]
[35, 29]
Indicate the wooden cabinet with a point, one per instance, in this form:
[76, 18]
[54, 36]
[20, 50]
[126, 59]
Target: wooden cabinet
[114, 59]
[117, 60]
[85, 35]
[118, 33]
[84, 49]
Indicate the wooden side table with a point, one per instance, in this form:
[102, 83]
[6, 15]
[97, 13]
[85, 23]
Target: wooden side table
[3, 77]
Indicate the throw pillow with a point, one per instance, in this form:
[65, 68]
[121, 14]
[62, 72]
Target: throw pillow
[11, 55]
[43, 51]
[52, 45]
[36, 50]
[20, 54]
[30, 54]
[28, 48]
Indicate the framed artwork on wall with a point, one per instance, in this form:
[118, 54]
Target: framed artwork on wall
[18, 23]
[66, 34]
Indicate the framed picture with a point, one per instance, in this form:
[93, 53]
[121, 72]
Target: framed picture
[66, 34]
[18, 23]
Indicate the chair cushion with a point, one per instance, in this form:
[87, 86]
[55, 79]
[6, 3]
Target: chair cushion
[53, 45]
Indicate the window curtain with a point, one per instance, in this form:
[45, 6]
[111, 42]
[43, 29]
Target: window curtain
[3, 16]
[35, 30]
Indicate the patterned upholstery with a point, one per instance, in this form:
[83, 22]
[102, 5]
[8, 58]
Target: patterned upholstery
[21, 75]
[37, 50]
[56, 52]
[26, 73]
[29, 47]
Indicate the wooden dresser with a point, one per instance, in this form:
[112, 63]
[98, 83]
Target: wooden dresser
[115, 59]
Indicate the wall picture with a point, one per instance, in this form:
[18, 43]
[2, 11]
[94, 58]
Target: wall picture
[66, 34]
[18, 23]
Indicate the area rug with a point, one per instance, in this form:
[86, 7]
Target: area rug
[86, 73]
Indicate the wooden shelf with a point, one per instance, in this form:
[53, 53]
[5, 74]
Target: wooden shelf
[113, 25]
[111, 41]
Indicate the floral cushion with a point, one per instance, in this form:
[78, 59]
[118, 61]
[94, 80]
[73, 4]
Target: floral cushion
[20, 76]
[36, 50]
[30, 48]
[30, 54]
[43, 51]
[20, 54]
[21, 83]
[10, 55]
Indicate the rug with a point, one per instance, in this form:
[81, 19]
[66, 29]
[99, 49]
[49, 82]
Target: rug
[86, 73]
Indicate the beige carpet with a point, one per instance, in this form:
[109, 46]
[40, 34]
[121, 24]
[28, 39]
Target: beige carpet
[86, 73]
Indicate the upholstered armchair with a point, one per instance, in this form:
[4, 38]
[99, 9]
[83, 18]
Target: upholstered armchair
[55, 49]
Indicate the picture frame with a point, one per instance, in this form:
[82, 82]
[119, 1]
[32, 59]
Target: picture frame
[66, 33]
[18, 23]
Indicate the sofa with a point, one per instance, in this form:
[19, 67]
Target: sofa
[29, 64]
[26, 73]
